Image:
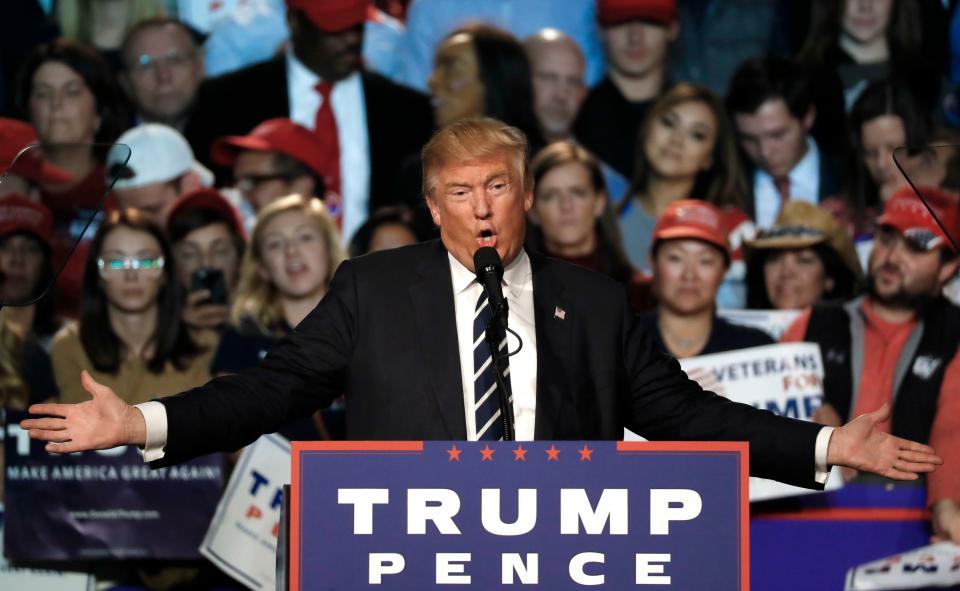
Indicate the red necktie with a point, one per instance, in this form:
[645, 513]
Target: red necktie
[326, 128]
[783, 186]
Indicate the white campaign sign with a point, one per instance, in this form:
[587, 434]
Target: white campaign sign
[242, 539]
[12, 577]
[786, 379]
[930, 566]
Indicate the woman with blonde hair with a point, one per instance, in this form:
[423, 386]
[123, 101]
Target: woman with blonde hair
[291, 257]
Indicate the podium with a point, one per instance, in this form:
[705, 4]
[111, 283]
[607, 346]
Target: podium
[532, 515]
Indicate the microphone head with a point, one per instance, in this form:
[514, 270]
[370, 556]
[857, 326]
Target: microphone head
[487, 260]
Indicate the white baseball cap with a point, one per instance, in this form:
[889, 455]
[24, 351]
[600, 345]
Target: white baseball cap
[158, 154]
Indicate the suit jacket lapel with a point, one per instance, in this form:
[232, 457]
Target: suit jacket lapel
[432, 296]
[554, 337]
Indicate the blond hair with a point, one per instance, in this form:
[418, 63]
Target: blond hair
[14, 392]
[256, 300]
[474, 139]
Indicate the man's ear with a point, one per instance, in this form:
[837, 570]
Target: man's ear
[434, 209]
[810, 118]
[948, 271]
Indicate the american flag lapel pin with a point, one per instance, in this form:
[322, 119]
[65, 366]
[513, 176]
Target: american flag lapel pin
[559, 313]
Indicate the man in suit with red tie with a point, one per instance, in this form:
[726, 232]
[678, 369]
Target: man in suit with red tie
[397, 331]
[320, 83]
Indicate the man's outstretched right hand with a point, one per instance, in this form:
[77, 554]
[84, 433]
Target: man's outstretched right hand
[103, 422]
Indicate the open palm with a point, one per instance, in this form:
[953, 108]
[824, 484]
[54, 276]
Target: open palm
[862, 445]
[102, 422]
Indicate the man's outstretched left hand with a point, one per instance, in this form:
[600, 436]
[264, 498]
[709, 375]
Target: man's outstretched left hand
[860, 444]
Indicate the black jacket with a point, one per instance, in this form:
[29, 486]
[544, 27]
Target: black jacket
[399, 121]
[385, 334]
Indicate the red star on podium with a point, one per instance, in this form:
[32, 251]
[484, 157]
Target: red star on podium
[585, 453]
[553, 454]
[487, 454]
[454, 453]
[520, 454]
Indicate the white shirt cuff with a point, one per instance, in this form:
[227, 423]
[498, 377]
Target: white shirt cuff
[820, 453]
[155, 417]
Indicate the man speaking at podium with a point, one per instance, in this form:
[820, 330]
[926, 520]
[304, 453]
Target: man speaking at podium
[403, 333]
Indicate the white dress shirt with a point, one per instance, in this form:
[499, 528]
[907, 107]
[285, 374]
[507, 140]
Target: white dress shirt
[350, 113]
[804, 186]
[518, 291]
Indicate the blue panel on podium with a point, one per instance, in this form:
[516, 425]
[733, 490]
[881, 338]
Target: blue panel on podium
[537, 515]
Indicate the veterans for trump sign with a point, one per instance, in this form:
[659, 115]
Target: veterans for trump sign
[539, 515]
[786, 379]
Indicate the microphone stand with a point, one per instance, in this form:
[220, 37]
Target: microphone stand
[506, 407]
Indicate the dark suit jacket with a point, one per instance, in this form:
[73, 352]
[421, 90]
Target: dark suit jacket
[399, 120]
[386, 335]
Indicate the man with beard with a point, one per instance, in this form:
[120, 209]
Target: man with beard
[898, 343]
[319, 83]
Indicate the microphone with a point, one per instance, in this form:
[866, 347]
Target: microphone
[489, 270]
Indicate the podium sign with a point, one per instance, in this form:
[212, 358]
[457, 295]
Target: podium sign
[537, 515]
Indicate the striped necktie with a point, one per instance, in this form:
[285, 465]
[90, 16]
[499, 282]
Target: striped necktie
[486, 406]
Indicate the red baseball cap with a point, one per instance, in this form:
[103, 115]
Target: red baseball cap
[908, 215]
[15, 136]
[332, 16]
[284, 136]
[615, 12]
[19, 214]
[692, 218]
[209, 200]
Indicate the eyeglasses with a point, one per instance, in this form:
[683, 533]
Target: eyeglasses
[115, 266]
[246, 184]
[147, 64]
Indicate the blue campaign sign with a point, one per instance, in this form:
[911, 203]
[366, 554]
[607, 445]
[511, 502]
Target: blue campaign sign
[539, 515]
[103, 505]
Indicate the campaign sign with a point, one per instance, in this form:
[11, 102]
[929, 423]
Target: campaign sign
[785, 379]
[106, 504]
[242, 539]
[532, 514]
[936, 565]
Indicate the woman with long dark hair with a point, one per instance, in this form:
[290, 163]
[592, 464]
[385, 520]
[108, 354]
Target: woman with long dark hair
[130, 335]
[885, 117]
[482, 71]
[686, 150]
[862, 41]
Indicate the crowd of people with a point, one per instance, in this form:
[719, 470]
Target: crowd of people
[706, 155]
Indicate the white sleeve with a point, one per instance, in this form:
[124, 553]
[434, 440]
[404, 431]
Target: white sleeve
[155, 417]
[820, 452]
